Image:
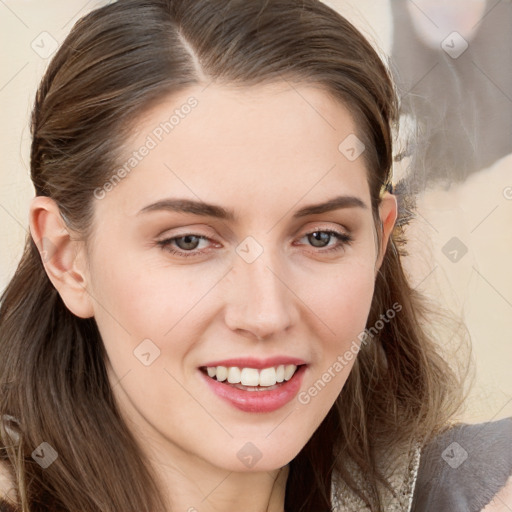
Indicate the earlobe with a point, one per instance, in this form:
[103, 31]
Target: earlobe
[388, 212]
[62, 256]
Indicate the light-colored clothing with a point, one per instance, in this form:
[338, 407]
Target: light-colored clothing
[460, 470]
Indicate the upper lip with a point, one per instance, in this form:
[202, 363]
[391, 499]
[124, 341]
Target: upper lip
[252, 362]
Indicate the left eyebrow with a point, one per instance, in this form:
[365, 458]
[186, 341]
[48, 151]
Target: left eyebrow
[212, 210]
[333, 204]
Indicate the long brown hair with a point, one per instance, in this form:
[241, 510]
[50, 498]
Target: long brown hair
[116, 62]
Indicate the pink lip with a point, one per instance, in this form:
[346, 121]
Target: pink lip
[257, 401]
[251, 362]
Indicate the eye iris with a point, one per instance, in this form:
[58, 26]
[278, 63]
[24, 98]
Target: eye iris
[319, 234]
[187, 239]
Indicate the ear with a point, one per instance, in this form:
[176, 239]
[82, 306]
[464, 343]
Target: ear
[388, 211]
[63, 257]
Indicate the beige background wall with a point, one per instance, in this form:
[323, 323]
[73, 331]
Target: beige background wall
[478, 212]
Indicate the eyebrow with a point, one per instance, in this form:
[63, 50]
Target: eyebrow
[212, 210]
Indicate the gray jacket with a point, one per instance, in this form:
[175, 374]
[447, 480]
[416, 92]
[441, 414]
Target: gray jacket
[462, 469]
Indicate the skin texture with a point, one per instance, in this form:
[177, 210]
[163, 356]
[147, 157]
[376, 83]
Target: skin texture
[263, 152]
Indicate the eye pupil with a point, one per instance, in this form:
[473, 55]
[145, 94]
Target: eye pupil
[187, 239]
[317, 236]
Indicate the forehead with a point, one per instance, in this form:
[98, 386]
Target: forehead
[276, 142]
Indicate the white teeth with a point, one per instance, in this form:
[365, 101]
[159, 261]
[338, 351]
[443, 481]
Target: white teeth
[222, 373]
[251, 376]
[289, 370]
[234, 375]
[268, 377]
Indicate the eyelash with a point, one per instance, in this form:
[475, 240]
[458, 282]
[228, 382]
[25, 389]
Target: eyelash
[343, 239]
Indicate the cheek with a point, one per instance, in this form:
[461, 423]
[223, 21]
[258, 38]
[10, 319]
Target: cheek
[343, 299]
[342, 306]
[136, 302]
[139, 298]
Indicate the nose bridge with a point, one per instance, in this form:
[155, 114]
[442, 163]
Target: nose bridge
[260, 302]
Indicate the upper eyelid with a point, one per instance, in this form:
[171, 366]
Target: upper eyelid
[308, 231]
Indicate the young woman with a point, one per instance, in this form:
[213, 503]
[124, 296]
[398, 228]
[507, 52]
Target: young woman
[211, 312]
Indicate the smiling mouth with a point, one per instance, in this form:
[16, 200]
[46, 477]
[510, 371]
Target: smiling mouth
[252, 379]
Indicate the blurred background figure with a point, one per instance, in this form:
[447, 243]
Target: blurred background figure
[453, 67]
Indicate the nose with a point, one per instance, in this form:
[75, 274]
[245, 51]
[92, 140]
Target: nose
[259, 304]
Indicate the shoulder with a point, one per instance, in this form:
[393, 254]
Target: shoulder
[467, 467]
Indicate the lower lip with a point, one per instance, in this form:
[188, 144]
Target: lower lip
[258, 401]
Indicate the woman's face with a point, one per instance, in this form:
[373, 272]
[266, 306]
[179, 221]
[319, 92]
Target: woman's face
[248, 278]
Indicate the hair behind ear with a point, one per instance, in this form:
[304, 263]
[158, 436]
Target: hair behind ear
[54, 384]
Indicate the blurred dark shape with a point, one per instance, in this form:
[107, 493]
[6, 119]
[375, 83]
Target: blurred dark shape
[462, 106]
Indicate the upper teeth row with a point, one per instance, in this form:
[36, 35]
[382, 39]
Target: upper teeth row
[252, 376]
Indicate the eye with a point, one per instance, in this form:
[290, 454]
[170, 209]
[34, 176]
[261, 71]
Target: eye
[321, 237]
[187, 244]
